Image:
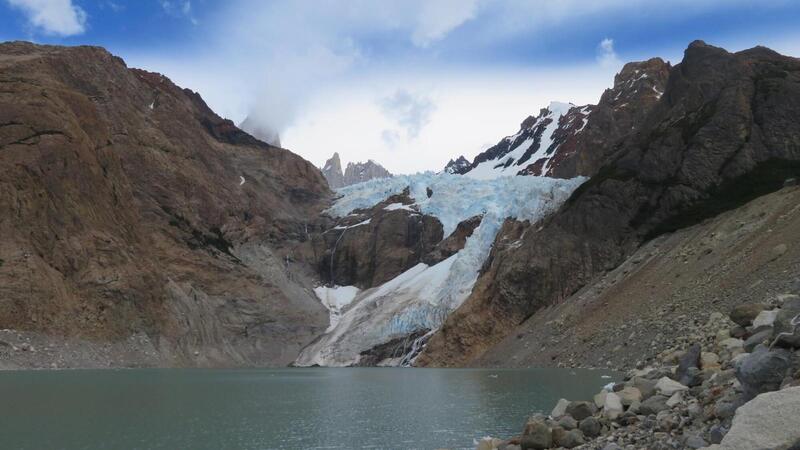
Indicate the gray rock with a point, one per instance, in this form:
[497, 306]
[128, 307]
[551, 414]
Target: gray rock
[612, 446]
[646, 386]
[765, 318]
[695, 441]
[667, 386]
[689, 359]
[757, 338]
[560, 409]
[591, 427]
[568, 439]
[787, 332]
[762, 371]
[693, 377]
[716, 433]
[537, 435]
[654, 405]
[768, 421]
[567, 422]
[581, 410]
[629, 394]
[738, 331]
[724, 409]
[613, 406]
[744, 314]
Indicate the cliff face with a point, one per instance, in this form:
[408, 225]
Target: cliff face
[130, 208]
[354, 173]
[723, 132]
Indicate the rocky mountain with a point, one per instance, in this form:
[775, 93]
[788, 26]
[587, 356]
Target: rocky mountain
[354, 173]
[145, 229]
[457, 166]
[565, 140]
[135, 218]
[721, 134]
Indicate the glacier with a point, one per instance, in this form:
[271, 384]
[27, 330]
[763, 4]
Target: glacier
[420, 298]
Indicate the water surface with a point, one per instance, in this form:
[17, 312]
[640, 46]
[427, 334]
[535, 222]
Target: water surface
[277, 409]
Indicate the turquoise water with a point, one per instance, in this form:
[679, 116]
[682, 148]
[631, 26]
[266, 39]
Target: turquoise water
[277, 409]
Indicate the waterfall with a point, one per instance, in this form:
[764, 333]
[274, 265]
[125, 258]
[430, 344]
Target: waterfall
[416, 347]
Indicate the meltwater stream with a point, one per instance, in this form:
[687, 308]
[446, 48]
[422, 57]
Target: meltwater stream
[391, 408]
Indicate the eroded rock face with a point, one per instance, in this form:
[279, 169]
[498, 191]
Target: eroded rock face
[372, 246]
[722, 133]
[129, 207]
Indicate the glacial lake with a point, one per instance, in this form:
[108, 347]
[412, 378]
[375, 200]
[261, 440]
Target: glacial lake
[316, 408]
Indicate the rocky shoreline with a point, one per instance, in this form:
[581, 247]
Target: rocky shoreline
[733, 383]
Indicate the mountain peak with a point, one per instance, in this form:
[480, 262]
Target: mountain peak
[354, 173]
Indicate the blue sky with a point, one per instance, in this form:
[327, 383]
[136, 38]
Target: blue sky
[408, 83]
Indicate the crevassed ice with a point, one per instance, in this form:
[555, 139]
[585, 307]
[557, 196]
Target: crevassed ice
[423, 296]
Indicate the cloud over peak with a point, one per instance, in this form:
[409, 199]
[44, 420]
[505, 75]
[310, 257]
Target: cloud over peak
[53, 17]
[411, 112]
[606, 55]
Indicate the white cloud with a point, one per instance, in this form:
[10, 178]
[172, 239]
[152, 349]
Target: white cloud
[179, 8]
[410, 111]
[606, 55]
[437, 18]
[54, 17]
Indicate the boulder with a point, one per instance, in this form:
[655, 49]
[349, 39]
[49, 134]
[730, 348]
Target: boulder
[646, 386]
[600, 398]
[759, 337]
[694, 441]
[567, 422]
[654, 405]
[629, 394]
[708, 361]
[732, 344]
[765, 318]
[568, 439]
[591, 427]
[693, 377]
[667, 386]
[560, 408]
[536, 436]
[762, 371]
[675, 399]
[787, 324]
[581, 410]
[768, 421]
[613, 406]
[689, 359]
[744, 314]
[737, 332]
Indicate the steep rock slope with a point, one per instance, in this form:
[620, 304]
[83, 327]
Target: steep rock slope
[723, 132]
[130, 208]
[669, 285]
[353, 173]
[565, 140]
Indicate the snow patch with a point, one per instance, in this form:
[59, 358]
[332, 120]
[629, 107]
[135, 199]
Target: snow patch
[335, 299]
[396, 206]
[342, 227]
